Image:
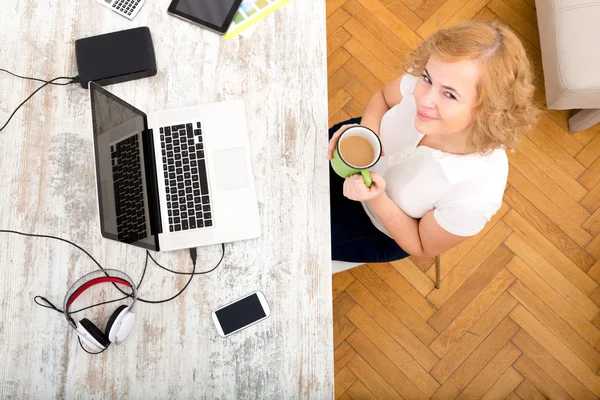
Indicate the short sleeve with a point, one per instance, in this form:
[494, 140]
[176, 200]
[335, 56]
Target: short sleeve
[465, 218]
[408, 84]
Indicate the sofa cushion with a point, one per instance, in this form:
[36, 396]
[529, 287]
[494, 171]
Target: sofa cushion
[570, 41]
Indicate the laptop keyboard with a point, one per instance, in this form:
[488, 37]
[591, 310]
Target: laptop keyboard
[128, 188]
[186, 183]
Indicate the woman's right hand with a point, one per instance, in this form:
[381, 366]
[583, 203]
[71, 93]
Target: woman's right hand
[334, 139]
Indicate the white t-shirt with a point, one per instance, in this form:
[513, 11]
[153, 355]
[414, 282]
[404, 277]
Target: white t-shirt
[464, 190]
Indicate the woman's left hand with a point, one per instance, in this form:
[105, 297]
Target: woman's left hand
[355, 188]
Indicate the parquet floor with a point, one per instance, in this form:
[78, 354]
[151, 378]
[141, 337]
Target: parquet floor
[517, 315]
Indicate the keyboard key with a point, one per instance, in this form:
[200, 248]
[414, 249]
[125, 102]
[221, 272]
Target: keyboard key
[200, 223]
[184, 225]
[205, 200]
[208, 223]
[205, 208]
[192, 223]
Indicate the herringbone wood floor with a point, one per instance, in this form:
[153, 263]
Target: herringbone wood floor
[517, 315]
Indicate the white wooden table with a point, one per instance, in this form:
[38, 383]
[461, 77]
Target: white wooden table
[47, 186]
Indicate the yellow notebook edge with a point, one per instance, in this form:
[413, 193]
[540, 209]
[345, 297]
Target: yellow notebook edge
[246, 25]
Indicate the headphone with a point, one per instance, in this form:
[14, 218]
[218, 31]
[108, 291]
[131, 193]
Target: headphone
[119, 325]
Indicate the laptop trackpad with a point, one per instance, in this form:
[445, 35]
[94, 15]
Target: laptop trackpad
[230, 169]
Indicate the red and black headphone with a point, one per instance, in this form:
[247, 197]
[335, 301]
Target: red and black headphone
[119, 325]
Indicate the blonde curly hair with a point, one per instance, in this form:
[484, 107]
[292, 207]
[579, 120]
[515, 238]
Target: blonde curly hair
[504, 110]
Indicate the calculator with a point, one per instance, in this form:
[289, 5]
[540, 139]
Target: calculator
[126, 8]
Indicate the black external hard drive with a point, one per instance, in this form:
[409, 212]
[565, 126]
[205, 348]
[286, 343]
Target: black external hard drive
[115, 57]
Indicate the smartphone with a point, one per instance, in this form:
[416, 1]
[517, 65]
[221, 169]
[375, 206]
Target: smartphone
[241, 313]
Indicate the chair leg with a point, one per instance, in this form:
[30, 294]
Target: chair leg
[437, 272]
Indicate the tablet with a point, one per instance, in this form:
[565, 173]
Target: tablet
[215, 15]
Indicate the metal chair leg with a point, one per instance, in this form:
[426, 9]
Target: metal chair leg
[437, 272]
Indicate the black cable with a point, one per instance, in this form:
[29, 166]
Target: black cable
[89, 352]
[72, 79]
[193, 255]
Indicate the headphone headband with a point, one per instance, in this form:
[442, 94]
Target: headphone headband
[94, 282]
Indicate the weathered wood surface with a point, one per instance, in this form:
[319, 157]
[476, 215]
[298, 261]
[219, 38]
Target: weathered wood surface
[47, 186]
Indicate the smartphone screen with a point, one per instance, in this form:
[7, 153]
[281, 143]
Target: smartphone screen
[240, 314]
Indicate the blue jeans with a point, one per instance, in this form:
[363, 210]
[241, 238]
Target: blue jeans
[354, 238]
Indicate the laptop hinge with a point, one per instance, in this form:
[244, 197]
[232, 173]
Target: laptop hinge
[152, 184]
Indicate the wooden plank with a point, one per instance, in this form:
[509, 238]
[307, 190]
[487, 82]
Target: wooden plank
[545, 183]
[341, 330]
[412, 4]
[471, 314]
[341, 305]
[591, 201]
[335, 21]
[358, 391]
[481, 356]
[590, 152]
[474, 284]
[537, 141]
[337, 81]
[491, 373]
[554, 278]
[336, 40]
[550, 230]
[338, 117]
[515, 21]
[340, 282]
[557, 258]
[527, 391]
[394, 351]
[513, 396]
[336, 60]
[488, 321]
[414, 275]
[423, 263]
[555, 370]
[343, 380]
[594, 247]
[363, 75]
[560, 165]
[359, 93]
[504, 386]
[384, 367]
[584, 137]
[338, 101]
[560, 135]
[403, 27]
[594, 272]
[374, 26]
[470, 263]
[391, 58]
[524, 10]
[556, 302]
[440, 17]
[393, 326]
[485, 15]
[411, 296]
[556, 348]
[556, 325]
[539, 379]
[428, 7]
[469, 10]
[331, 6]
[345, 396]
[547, 207]
[384, 270]
[354, 108]
[592, 225]
[591, 177]
[371, 379]
[452, 257]
[394, 303]
[342, 356]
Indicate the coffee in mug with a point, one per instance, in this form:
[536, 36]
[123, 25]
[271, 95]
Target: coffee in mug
[357, 151]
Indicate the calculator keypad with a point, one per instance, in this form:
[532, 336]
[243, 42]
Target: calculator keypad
[125, 7]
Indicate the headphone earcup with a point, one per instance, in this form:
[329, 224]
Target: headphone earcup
[91, 335]
[119, 325]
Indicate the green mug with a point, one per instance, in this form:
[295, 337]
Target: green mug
[345, 169]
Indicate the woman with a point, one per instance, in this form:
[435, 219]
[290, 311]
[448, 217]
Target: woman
[444, 127]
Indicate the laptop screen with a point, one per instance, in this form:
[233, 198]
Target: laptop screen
[124, 167]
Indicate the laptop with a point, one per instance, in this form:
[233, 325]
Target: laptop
[173, 179]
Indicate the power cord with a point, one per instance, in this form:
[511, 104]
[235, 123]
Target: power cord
[72, 79]
[193, 256]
